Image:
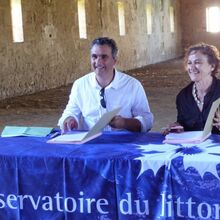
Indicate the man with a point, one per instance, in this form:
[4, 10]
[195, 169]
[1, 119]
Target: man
[104, 90]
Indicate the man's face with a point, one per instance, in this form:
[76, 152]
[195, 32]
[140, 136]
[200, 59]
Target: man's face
[102, 61]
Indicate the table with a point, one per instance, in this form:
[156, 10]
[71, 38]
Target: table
[119, 175]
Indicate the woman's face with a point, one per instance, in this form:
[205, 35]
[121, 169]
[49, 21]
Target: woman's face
[198, 66]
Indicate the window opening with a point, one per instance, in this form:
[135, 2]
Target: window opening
[17, 23]
[171, 19]
[121, 18]
[149, 18]
[213, 19]
[82, 19]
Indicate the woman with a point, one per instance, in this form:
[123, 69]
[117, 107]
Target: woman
[195, 100]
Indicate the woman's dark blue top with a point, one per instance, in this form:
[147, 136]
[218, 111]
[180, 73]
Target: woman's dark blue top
[188, 113]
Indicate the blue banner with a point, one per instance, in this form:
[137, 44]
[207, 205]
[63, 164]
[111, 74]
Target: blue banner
[119, 175]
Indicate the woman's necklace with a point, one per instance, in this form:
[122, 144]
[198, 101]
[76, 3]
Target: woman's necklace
[195, 96]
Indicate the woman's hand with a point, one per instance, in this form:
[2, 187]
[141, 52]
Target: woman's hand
[216, 120]
[173, 127]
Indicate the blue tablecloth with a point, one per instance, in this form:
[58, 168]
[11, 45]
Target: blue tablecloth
[119, 175]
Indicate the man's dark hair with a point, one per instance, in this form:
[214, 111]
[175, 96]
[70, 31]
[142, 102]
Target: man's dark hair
[106, 41]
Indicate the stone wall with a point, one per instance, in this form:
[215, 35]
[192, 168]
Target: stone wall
[52, 53]
[193, 22]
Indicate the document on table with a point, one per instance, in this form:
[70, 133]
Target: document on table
[82, 137]
[13, 131]
[194, 136]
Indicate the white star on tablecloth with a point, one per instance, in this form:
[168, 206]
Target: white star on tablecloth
[155, 156]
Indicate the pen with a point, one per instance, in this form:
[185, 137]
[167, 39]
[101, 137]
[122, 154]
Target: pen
[55, 134]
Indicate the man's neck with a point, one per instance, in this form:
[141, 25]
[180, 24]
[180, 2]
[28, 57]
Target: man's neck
[105, 80]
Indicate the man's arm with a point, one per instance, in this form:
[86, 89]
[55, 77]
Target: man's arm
[141, 109]
[69, 119]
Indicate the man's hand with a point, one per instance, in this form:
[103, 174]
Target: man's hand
[69, 124]
[117, 122]
[130, 124]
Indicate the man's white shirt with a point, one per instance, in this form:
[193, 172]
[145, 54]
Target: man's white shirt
[124, 91]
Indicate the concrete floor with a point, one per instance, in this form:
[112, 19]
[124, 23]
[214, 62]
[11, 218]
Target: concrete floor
[161, 81]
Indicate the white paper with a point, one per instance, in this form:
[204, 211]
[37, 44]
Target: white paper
[82, 137]
[194, 136]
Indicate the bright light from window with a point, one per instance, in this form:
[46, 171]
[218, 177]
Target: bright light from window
[82, 19]
[121, 18]
[17, 24]
[213, 19]
[149, 18]
[171, 19]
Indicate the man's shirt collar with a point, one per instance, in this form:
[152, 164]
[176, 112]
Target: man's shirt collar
[114, 84]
